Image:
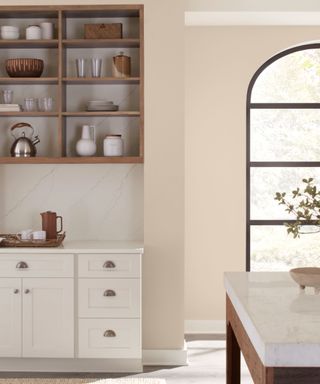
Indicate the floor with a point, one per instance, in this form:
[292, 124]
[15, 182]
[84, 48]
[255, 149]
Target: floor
[206, 365]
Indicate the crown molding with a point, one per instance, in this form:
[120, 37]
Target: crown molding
[252, 18]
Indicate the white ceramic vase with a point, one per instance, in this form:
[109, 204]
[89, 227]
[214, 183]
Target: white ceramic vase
[86, 146]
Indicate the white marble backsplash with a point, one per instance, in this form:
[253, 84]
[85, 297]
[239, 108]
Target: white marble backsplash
[99, 202]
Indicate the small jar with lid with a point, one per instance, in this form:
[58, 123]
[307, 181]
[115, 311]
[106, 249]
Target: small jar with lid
[113, 145]
[33, 32]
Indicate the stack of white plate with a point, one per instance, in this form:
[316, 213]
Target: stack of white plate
[101, 105]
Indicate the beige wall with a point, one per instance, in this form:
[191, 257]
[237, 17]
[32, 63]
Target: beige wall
[163, 265]
[220, 62]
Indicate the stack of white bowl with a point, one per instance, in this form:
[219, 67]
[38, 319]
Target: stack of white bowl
[8, 32]
[101, 105]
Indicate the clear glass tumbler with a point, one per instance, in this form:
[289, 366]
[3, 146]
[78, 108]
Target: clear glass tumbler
[29, 104]
[7, 95]
[81, 64]
[45, 104]
[96, 67]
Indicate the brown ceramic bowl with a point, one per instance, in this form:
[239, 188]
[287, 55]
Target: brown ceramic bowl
[24, 67]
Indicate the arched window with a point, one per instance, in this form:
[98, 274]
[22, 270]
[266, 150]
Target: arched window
[283, 147]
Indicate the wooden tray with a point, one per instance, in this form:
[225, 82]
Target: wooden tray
[15, 241]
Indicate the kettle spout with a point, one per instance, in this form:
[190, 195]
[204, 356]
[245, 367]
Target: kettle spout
[36, 140]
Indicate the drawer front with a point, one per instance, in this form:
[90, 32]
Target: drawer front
[109, 298]
[109, 265]
[109, 338]
[36, 265]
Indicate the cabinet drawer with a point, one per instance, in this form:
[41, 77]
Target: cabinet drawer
[36, 265]
[109, 298]
[113, 338]
[109, 265]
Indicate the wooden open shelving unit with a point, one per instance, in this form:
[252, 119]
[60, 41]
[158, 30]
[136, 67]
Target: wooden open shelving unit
[64, 42]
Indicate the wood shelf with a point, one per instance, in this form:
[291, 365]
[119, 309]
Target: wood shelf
[103, 113]
[62, 126]
[101, 80]
[101, 43]
[30, 114]
[29, 44]
[28, 80]
[72, 160]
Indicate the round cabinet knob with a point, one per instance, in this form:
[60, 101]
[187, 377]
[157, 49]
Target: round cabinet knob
[27, 291]
[109, 292]
[22, 265]
[109, 264]
[109, 333]
[16, 291]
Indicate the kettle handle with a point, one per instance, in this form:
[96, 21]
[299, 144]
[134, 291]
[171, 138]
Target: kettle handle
[20, 125]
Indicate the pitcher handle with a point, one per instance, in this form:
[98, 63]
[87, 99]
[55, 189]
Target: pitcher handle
[61, 224]
[93, 129]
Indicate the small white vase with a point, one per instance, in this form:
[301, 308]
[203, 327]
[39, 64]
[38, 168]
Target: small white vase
[86, 146]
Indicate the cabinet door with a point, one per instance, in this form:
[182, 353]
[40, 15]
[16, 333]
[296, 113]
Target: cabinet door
[10, 317]
[48, 318]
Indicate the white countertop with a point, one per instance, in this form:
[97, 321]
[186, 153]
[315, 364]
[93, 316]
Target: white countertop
[282, 323]
[92, 246]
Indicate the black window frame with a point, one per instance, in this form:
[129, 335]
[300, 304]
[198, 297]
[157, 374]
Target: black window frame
[270, 164]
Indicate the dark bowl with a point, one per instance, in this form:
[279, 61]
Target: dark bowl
[24, 67]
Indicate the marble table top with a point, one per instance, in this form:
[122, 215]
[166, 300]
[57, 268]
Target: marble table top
[282, 322]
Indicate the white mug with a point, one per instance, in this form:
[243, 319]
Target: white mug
[39, 235]
[25, 234]
[46, 30]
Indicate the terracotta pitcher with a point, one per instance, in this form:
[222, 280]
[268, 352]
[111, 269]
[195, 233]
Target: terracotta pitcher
[49, 224]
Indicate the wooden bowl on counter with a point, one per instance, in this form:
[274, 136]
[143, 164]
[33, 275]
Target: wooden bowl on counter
[307, 277]
[24, 67]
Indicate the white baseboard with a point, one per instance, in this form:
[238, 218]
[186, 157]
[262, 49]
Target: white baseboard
[165, 356]
[205, 326]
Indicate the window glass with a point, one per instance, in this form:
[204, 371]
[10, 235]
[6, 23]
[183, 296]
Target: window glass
[265, 182]
[273, 250]
[285, 135]
[292, 78]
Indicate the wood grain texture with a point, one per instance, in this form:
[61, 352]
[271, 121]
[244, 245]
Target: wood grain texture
[261, 374]
[233, 357]
[60, 15]
[256, 368]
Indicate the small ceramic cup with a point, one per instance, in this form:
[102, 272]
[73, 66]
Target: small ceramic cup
[25, 234]
[39, 235]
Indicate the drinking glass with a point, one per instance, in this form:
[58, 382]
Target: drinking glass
[80, 64]
[96, 67]
[7, 95]
[45, 104]
[29, 104]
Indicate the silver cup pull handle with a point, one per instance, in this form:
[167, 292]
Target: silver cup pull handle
[109, 264]
[109, 333]
[109, 292]
[22, 265]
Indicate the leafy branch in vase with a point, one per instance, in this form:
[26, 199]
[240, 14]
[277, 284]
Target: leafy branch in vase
[304, 204]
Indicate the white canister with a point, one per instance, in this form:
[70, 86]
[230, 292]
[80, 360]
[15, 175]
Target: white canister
[113, 145]
[33, 32]
[46, 30]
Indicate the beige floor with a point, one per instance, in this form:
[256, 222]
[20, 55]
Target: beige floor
[206, 365]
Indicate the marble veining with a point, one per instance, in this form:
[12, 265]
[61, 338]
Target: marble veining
[101, 202]
[282, 322]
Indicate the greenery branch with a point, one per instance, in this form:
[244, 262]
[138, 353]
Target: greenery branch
[304, 204]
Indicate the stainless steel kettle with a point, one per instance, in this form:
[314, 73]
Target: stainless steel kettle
[23, 146]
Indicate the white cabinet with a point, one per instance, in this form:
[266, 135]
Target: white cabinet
[48, 321]
[10, 317]
[37, 314]
[66, 310]
[109, 302]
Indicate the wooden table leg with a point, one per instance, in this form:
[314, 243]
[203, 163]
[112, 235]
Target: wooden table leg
[233, 357]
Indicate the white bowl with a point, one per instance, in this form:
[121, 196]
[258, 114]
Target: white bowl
[9, 33]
